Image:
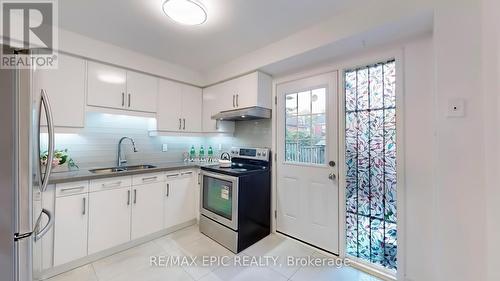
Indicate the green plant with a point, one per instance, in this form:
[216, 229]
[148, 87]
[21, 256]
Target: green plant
[60, 157]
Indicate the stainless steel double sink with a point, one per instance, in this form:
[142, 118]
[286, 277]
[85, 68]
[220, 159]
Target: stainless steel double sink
[121, 169]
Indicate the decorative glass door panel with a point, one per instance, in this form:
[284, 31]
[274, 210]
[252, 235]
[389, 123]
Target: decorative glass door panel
[370, 138]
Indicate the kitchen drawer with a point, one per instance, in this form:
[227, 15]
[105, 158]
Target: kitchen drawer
[72, 188]
[110, 183]
[147, 178]
[170, 175]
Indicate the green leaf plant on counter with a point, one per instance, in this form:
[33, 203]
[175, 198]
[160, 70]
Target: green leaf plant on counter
[61, 157]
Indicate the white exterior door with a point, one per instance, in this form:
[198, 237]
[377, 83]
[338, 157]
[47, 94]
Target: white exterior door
[307, 140]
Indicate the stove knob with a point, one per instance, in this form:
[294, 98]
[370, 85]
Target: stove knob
[258, 154]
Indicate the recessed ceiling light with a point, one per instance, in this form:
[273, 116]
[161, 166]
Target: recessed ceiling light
[188, 12]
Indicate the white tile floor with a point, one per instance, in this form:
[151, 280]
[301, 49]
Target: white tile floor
[134, 264]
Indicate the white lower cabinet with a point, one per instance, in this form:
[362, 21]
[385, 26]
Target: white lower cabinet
[109, 219]
[147, 208]
[179, 198]
[70, 240]
[94, 216]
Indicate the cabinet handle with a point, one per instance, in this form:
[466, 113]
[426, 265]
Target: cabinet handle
[72, 188]
[233, 101]
[150, 179]
[184, 125]
[118, 183]
[172, 175]
[237, 98]
[129, 97]
[187, 173]
[84, 206]
[180, 123]
[123, 99]
[135, 196]
[128, 197]
[168, 189]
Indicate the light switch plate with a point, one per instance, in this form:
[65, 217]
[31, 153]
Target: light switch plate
[164, 147]
[456, 108]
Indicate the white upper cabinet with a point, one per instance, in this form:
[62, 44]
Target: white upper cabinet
[179, 107]
[65, 87]
[191, 108]
[254, 89]
[116, 88]
[142, 91]
[107, 85]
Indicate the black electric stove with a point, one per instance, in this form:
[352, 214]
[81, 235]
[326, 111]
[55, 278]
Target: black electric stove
[235, 203]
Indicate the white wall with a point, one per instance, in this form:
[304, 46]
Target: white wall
[84, 46]
[491, 89]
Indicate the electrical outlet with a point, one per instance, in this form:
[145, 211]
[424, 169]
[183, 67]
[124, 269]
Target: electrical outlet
[456, 108]
[164, 147]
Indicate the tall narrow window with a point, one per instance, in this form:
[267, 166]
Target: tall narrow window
[371, 215]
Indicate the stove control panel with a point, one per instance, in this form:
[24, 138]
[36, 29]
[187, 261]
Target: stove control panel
[250, 153]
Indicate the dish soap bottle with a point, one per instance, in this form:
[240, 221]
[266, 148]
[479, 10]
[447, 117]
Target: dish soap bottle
[202, 153]
[210, 154]
[192, 153]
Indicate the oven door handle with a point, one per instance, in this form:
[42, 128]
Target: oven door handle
[219, 176]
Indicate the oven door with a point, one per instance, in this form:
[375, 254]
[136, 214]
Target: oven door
[219, 198]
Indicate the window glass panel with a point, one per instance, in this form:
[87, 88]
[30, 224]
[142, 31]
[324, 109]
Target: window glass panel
[371, 179]
[304, 99]
[318, 100]
[306, 127]
[291, 104]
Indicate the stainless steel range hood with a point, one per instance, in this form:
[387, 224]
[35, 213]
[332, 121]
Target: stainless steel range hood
[242, 114]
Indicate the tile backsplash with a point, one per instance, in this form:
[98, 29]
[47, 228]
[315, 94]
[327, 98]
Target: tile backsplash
[97, 144]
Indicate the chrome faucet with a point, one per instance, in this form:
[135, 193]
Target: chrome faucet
[121, 160]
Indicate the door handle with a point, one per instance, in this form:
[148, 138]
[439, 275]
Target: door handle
[44, 180]
[128, 197]
[84, 206]
[168, 189]
[46, 228]
[135, 196]
[332, 176]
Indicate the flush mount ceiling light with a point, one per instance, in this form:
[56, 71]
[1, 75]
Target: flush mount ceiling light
[188, 12]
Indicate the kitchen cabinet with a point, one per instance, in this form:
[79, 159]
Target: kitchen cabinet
[254, 89]
[216, 98]
[70, 228]
[109, 218]
[179, 198]
[147, 205]
[179, 107]
[117, 88]
[142, 91]
[65, 87]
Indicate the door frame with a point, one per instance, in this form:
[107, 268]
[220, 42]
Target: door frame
[341, 66]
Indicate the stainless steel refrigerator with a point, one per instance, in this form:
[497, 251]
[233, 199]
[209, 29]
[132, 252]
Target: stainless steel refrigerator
[23, 222]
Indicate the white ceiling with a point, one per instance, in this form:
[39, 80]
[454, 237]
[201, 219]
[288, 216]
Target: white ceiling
[234, 27]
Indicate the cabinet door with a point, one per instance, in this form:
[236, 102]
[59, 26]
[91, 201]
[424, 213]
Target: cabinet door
[216, 99]
[70, 241]
[109, 219]
[142, 92]
[106, 86]
[191, 108]
[65, 87]
[179, 200]
[147, 209]
[169, 106]
[245, 89]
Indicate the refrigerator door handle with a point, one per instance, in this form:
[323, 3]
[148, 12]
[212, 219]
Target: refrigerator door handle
[40, 233]
[44, 180]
